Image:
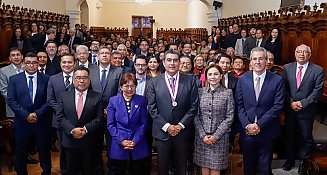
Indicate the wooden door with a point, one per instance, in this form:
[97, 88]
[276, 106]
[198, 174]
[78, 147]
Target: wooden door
[142, 26]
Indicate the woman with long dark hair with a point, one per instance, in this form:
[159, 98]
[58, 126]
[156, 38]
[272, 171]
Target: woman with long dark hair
[274, 45]
[20, 42]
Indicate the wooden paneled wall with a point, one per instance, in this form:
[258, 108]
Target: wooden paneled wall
[12, 16]
[102, 31]
[194, 33]
[307, 26]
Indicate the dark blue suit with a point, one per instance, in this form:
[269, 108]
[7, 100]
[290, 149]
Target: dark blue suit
[19, 101]
[257, 150]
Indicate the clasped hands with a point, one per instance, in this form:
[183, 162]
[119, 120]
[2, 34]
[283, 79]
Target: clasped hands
[209, 139]
[78, 133]
[296, 106]
[173, 130]
[128, 144]
[253, 129]
[32, 118]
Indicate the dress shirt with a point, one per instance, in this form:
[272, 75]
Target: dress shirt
[167, 78]
[262, 79]
[96, 58]
[70, 78]
[304, 68]
[34, 83]
[46, 39]
[101, 68]
[226, 80]
[86, 64]
[140, 85]
[260, 41]
[18, 70]
[77, 95]
[44, 68]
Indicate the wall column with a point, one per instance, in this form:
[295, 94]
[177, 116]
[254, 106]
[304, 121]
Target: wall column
[74, 17]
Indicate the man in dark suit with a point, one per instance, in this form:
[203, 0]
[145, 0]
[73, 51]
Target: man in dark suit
[58, 84]
[39, 40]
[80, 114]
[27, 98]
[105, 80]
[73, 39]
[172, 103]
[251, 43]
[94, 53]
[260, 99]
[304, 86]
[116, 59]
[82, 55]
[229, 79]
[53, 62]
[126, 62]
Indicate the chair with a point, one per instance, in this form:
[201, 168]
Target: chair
[6, 140]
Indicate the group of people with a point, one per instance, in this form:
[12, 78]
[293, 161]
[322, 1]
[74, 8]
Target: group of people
[190, 105]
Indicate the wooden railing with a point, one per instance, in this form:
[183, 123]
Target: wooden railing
[12, 16]
[102, 31]
[308, 26]
[194, 33]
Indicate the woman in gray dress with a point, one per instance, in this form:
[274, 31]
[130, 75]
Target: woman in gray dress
[212, 124]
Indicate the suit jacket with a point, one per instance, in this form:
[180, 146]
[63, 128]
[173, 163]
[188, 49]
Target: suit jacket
[56, 86]
[76, 40]
[112, 82]
[310, 89]
[128, 127]
[5, 73]
[232, 82]
[64, 41]
[27, 45]
[53, 67]
[91, 118]
[239, 47]
[251, 43]
[161, 109]
[19, 101]
[37, 41]
[267, 109]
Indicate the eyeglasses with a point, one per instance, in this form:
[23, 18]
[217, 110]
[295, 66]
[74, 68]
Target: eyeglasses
[31, 63]
[140, 65]
[78, 78]
[125, 86]
[169, 60]
[302, 52]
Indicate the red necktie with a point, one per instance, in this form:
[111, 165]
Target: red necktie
[79, 105]
[298, 77]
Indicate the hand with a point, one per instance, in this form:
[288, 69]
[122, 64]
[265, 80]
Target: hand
[105, 113]
[78, 133]
[212, 139]
[173, 130]
[127, 144]
[206, 140]
[31, 118]
[296, 106]
[253, 129]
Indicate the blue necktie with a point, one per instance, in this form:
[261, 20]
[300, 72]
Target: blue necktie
[243, 46]
[103, 78]
[94, 59]
[30, 87]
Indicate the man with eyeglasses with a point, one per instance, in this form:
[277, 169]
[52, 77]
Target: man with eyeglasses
[172, 103]
[82, 55]
[186, 68]
[93, 57]
[58, 84]
[116, 59]
[27, 93]
[80, 114]
[304, 86]
[105, 80]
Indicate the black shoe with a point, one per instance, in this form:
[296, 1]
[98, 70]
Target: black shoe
[289, 164]
[30, 160]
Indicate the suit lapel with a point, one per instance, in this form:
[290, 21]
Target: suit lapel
[86, 104]
[293, 76]
[266, 83]
[306, 75]
[164, 86]
[180, 87]
[39, 82]
[251, 87]
[111, 70]
[134, 107]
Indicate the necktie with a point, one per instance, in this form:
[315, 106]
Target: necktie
[30, 87]
[67, 82]
[103, 78]
[257, 88]
[42, 70]
[242, 46]
[79, 105]
[95, 59]
[172, 84]
[70, 43]
[298, 77]
[257, 43]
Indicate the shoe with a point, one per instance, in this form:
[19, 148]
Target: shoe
[289, 164]
[300, 170]
[30, 160]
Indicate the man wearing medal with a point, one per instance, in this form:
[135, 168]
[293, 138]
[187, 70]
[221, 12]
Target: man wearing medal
[172, 103]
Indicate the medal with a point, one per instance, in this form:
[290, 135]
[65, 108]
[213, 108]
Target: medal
[174, 103]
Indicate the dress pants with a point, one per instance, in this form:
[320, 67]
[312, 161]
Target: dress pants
[257, 154]
[40, 133]
[295, 126]
[62, 153]
[80, 161]
[129, 167]
[177, 148]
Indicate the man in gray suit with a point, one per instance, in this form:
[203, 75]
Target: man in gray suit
[105, 80]
[172, 103]
[304, 84]
[58, 84]
[16, 67]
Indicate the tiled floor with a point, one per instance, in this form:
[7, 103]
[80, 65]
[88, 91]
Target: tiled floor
[319, 133]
